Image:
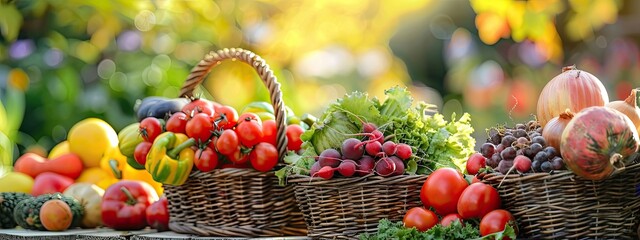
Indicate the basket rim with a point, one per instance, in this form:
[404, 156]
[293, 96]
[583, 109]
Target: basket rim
[370, 179]
[554, 175]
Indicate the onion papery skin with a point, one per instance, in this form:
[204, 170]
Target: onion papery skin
[552, 132]
[573, 89]
[629, 108]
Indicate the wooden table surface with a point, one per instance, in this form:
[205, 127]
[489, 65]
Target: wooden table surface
[109, 234]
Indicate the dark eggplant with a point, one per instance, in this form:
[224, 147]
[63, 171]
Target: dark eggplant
[159, 108]
[141, 107]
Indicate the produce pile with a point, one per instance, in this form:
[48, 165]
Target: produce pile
[453, 209]
[390, 137]
[99, 177]
[85, 182]
[576, 128]
[203, 133]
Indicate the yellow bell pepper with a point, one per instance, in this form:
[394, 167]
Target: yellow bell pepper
[170, 158]
[131, 173]
[115, 163]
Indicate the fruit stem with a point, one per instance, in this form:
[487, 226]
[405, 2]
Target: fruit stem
[173, 153]
[615, 158]
[113, 164]
[569, 68]
[567, 114]
[130, 199]
[631, 99]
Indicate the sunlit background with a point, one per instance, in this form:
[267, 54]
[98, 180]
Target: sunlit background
[63, 61]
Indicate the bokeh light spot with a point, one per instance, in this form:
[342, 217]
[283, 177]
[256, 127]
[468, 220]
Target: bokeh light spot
[164, 44]
[53, 57]
[373, 63]
[58, 133]
[106, 68]
[118, 82]
[21, 49]
[129, 41]
[163, 61]
[145, 20]
[601, 42]
[152, 75]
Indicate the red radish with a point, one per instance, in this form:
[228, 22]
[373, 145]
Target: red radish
[399, 165]
[347, 168]
[522, 163]
[475, 162]
[373, 148]
[352, 148]
[403, 151]
[369, 127]
[329, 157]
[389, 148]
[365, 165]
[314, 168]
[377, 136]
[325, 172]
[385, 167]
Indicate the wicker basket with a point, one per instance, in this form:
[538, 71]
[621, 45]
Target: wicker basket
[564, 206]
[236, 202]
[343, 208]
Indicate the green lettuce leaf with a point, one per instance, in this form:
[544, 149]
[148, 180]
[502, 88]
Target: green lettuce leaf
[397, 104]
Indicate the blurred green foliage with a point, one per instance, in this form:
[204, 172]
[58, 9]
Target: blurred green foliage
[63, 61]
[96, 58]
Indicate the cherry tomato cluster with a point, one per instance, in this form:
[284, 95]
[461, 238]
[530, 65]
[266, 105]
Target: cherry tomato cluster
[447, 193]
[225, 138]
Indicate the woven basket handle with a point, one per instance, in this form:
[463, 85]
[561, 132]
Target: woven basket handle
[200, 71]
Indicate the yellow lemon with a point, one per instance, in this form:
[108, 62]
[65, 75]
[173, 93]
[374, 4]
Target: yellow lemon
[59, 150]
[16, 182]
[90, 139]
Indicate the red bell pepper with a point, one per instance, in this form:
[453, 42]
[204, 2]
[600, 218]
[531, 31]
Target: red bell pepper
[124, 204]
[158, 215]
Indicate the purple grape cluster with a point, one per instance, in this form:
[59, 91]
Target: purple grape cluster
[504, 144]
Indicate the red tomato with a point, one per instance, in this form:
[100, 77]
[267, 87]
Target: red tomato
[293, 137]
[206, 159]
[198, 106]
[442, 190]
[420, 218]
[215, 105]
[269, 132]
[477, 200]
[177, 123]
[264, 157]
[226, 116]
[150, 128]
[496, 221]
[249, 132]
[200, 127]
[238, 157]
[249, 116]
[141, 151]
[450, 218]
[228, 142]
